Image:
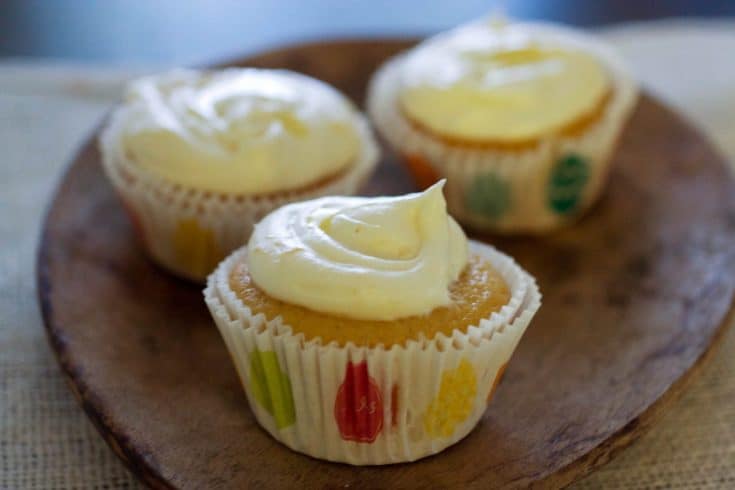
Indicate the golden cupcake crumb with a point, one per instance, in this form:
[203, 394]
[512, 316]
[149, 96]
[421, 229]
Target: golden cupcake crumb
[476, 294]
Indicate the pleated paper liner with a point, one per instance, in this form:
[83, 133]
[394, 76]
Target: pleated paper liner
[189, 231]
[369, 406]
[519, 190]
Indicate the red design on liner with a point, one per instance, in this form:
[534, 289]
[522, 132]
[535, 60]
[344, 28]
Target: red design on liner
[394, 406]
[358, 407]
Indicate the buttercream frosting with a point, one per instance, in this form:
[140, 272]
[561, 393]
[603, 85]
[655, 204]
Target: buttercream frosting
[378, 258]
[500, 82]
[247, 131]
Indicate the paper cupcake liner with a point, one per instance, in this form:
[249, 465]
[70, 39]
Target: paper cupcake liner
[189, 231]
[370, 405]
[530, 190]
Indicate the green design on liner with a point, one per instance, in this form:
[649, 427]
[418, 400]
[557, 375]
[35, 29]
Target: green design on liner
[271, 387]
[489, 196]
[567, 182]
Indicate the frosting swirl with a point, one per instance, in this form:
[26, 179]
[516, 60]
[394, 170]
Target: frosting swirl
[238, 130]
[378, 258]
[497, 82]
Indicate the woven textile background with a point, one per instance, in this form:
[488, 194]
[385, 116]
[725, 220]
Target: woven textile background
[45, 111]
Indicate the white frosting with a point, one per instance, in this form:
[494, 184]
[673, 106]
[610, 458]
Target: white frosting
[379, 258]
[239, 130]
[491, 81]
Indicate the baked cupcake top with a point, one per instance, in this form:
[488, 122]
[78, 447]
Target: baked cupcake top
[501, 82]
[378, 258]
[250, 131]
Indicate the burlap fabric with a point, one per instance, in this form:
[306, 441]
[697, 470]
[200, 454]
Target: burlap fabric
[47, 443]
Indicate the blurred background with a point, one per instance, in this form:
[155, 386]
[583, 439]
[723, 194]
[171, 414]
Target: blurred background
[195, 31]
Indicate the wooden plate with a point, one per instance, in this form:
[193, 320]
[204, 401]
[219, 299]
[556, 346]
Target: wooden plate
[635, 295]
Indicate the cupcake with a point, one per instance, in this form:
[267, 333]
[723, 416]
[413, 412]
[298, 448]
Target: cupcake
[198, 157]
[521, 118]
[369, 330]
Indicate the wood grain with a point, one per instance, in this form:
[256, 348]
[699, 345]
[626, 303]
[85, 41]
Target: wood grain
[635, 294]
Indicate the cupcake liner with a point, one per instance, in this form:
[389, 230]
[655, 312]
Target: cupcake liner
[527, 190]
[370, 405]
[189, 231]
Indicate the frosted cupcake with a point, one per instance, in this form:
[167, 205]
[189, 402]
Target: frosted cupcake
[199, 156]
[369, 330]
[521, 118]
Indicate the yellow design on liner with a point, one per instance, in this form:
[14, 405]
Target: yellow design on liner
[454, 402]
[239, 130]
[495, 82]
[378, 258]
[195, 247]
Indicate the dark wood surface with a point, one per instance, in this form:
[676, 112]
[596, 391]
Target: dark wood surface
[635, 295]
